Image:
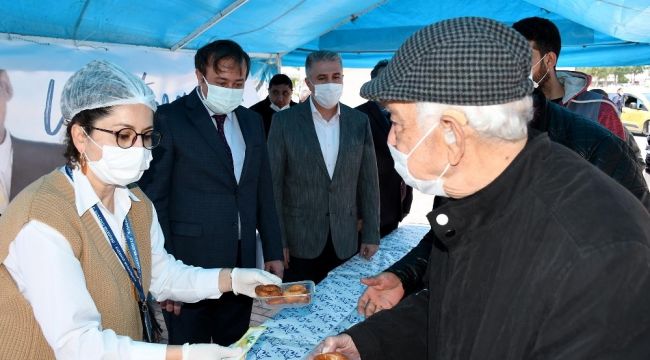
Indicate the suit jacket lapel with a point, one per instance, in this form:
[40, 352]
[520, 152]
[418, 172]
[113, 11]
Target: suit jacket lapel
[345, 132]
[309, 130]
[200, 118]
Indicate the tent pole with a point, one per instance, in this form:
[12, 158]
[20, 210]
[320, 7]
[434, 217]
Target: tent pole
[210, 23]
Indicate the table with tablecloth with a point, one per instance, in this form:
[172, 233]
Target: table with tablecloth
[293, 333]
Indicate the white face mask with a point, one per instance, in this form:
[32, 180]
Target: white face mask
[431, 187]
[536, 83]
[221, 100]
[277, 108]
[328, 95]
[120, 166]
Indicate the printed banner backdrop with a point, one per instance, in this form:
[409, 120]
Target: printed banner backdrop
[38, 72]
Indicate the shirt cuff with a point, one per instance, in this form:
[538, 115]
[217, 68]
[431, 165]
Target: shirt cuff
[147, 351]
[207, 282]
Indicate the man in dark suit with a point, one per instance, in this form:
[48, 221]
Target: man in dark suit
[211, 184]
[33, 159]
[280, 91]
[395, 197]
[21, 161]
[324, 176]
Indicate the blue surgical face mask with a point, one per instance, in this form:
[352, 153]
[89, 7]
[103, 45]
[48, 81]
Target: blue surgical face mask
[221, 100]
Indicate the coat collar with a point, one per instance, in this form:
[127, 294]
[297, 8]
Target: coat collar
[457, 217]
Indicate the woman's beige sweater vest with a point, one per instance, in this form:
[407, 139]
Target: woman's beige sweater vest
[51, 200]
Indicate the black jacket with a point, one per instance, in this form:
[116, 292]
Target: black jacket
[549, 261]
[593, 142]
[587, 138]
[395, 197]
[264, 109]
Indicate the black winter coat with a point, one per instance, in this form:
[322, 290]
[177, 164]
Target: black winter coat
[549, 261]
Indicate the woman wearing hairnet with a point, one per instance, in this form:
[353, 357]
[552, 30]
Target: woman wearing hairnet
[82, 248]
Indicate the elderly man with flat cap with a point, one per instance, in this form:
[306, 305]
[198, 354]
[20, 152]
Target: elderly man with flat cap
[538, 254]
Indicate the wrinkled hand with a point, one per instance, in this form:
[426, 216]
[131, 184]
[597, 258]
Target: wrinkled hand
[275, 267]
[285, 252]
[368, 250]
[210, 352]
[341, 343]
[384, 292]
[171, 306]
[244, 281]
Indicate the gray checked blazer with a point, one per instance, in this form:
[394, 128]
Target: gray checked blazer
[310, 203]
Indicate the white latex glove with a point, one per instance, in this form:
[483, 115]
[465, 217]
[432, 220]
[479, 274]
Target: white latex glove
[244, 281]
[210, 352]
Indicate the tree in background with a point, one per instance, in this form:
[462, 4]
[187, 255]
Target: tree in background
[620, 73]
[635, 70]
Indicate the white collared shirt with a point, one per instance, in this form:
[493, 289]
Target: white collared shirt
[328, 133]
[6, 163]
[50, 277]
[234, 137]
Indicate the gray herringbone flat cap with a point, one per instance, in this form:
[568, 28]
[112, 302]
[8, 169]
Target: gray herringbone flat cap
[463, 61]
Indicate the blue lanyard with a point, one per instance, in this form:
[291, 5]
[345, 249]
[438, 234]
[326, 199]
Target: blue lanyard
[135, 276]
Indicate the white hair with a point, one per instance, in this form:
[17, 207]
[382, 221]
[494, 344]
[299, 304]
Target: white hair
[507, 122]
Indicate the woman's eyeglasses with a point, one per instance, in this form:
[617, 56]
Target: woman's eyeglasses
[125, 138]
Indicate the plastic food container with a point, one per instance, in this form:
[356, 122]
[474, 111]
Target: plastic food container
[288, 300]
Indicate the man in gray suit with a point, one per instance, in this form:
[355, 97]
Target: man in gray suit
[324, 176]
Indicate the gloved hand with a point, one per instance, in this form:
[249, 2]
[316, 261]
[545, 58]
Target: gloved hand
[244, 281]
[210, 352]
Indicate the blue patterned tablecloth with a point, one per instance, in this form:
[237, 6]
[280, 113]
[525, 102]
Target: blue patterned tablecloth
[293, 333]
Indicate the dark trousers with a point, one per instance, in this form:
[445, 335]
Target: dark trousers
[221, 321]
[386, 229]
[313, 269]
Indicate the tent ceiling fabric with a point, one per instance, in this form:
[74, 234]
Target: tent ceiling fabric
[261, 26]
[594, 32]
[624, 19]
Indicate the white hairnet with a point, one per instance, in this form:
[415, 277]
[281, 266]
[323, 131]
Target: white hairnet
[100, 84]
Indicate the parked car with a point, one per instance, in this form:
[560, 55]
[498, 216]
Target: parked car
[636, 116]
